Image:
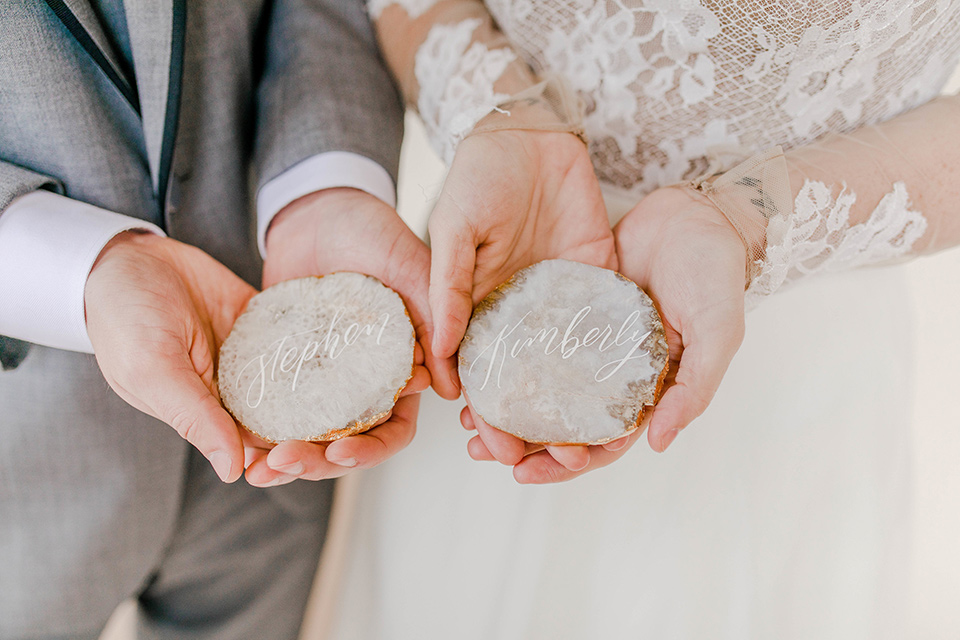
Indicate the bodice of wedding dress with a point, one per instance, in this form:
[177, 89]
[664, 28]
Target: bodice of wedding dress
[666, 81]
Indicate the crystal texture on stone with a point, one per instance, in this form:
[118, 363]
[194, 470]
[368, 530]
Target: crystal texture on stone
[564, 353]
[317, 358]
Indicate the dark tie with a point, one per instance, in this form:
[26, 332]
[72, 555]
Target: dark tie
[12, 352]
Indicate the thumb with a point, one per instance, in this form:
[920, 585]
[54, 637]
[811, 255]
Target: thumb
[703, 361]
[454, 255]
[415, 290]
[178, 396]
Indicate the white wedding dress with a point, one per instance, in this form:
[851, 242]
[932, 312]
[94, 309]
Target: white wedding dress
[783, 512]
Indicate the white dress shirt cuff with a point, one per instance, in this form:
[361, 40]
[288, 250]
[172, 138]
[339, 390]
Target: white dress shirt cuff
[48, 244]
[322, 171]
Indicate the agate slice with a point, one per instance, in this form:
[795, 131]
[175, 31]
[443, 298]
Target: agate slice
[564, 353]
[317, 358]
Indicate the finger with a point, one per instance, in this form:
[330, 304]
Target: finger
[297, 459]
[478, 451]
[446, 378]
[543, 468]
[453, 259]
[572, 457]
[311, 460]
[707, 353]
[443, 371]
[252, 454]
[418, 383]
[505, 448]
[466, 419]
[616, 445]
[375, 446]
[291, 457]
[306, 460]
[254, 447]
[261, 475]
[178, 396]
[413, 283]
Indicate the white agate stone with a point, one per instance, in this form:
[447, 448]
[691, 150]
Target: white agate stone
[564, 353]
[317, 358]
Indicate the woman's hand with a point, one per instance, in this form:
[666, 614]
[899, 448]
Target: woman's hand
[512, 198]
[681, 250]
[684, 253]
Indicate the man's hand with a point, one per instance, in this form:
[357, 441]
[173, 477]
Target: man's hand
[157, 311]
[512, 198]
[348, 230]
[681, 250]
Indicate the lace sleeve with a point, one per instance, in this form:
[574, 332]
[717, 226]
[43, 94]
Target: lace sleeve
[457, 78]
[871, 197]
[456, 68]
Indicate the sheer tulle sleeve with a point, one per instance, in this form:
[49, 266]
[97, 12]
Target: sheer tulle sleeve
[873, 196]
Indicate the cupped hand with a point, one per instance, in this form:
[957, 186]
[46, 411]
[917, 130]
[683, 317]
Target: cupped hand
[348, 230]
[539, 464]
[157, 311]
[511, 198]
[682, 251]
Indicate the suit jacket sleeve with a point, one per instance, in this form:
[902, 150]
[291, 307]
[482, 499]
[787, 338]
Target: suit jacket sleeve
[16, 181]
[324, 88]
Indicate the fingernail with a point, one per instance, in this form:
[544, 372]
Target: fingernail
[249, 455]
[276, 481]
[668, 438]
[346, 462]
[221, 464]
[616, 445]
[292, 469]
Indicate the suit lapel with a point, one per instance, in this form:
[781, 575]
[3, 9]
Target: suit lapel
[157, 38]
[151, 36]
[87, 18]
[80, 20]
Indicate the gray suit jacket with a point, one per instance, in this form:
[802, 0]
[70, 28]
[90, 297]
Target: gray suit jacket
[222, 97]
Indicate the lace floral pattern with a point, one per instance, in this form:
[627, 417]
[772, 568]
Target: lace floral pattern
[817, 237]
[456, 78]
[665, 80]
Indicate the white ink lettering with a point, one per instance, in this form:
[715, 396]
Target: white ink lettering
[601, 338]
[286, 355]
